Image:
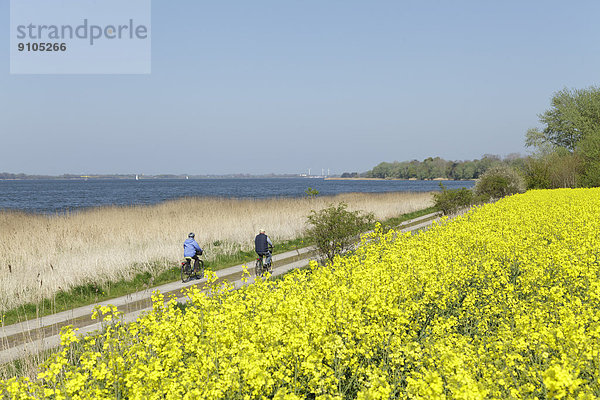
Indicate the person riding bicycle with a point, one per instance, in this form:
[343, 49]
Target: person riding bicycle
[191, 250]
[263, 245]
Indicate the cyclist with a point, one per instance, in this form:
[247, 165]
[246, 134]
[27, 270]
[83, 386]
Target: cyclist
[191, 250]
[263, 245]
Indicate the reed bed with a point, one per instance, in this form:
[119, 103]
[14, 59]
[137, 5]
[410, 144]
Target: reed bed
[41, 255]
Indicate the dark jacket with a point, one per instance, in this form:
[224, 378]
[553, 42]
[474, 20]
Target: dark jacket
[261, 243]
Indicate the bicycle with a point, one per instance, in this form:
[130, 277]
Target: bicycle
[260, 268]
[187, 271]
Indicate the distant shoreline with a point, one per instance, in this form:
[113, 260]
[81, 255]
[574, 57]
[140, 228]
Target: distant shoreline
[395, 179]
[191, 177]
[145, 177]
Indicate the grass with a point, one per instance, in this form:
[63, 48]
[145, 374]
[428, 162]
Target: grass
[27, 366]
[393, 222]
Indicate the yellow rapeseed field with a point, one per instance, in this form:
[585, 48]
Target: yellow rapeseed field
[501, 303]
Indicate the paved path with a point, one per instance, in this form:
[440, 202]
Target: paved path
[36, 335]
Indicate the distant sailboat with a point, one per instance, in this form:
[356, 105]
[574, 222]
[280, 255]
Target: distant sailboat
[137, 177]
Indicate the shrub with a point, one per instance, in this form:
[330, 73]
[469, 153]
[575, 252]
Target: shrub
[558, 168]
[564, 167]
[537, 173]
[334, 227]
[452, 201]
[499, 181]
[310, 192]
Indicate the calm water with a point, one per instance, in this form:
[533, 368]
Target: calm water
[50, 196]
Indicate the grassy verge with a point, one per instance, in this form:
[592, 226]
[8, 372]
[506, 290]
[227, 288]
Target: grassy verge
[391, 223]
[92, 293]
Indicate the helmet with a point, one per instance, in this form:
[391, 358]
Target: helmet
[261, 230]
[191, 235]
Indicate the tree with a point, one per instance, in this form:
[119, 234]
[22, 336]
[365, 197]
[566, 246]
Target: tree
[431, 168]
[574, 115]
[383, 171]
[334, 227]
[487, 161]
[567, 150]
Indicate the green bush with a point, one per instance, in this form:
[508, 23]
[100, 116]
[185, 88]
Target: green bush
[558, 168]
[334, 227]
[537, 173]
[499, 181]
[452, 201]
[310, 192]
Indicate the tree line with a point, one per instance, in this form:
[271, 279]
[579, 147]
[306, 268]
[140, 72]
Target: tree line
[436, 167]
[565, 151]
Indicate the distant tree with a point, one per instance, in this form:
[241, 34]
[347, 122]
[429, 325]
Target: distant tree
[436, 167]
[452, 171]
[487, 161]
[382, 170]
[516, 161]
[439, 168]
[412, 169]
[466, 170]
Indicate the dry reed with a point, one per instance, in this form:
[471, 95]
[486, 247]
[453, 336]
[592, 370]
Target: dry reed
[41, 255]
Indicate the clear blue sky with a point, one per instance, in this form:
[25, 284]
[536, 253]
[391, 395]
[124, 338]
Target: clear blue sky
[282, 86]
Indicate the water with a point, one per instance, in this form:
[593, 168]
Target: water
[51, 196]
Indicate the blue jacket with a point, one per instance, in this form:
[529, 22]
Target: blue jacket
[190, 247]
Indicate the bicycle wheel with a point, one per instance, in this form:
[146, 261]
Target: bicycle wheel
[258, 268]
[199, 271]
[183, 274]
[187, 271]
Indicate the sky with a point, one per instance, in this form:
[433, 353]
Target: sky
[281, 86]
